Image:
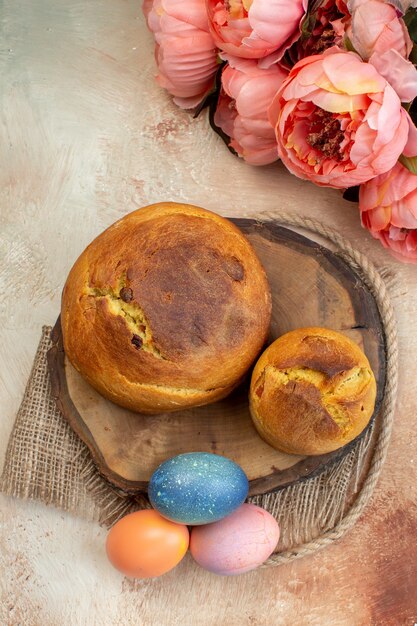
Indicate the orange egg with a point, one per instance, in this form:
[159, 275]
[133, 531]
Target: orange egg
[145, 544]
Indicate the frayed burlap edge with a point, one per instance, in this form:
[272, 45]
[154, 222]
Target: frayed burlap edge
[46, 461]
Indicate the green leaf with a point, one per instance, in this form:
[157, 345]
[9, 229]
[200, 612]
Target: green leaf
[410, 19]
[309, 20]
[349, 45]
[307, 25]
[413, 54]
[314, 5]
[410, 163]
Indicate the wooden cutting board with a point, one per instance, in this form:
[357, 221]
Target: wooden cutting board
[311, 286]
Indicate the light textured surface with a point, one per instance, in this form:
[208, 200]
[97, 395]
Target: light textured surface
[87, 136]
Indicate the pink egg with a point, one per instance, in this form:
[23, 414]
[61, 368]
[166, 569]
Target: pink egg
[236, 544]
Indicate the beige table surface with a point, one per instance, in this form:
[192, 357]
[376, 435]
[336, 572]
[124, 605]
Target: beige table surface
[86, 135]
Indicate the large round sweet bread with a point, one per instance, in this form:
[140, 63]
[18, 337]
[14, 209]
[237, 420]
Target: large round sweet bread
[166, 309]
[312, 391]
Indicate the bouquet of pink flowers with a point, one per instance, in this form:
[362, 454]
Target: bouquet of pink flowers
[327, 86]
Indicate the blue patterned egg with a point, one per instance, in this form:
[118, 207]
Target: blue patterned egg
[197, 488]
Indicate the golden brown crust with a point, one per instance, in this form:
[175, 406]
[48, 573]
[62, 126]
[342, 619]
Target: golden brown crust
[312, 391]
[167, 308]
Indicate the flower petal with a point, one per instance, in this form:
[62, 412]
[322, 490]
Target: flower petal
[398, 72]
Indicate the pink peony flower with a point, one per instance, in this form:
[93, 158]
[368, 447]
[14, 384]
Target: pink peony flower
[338, 122]
[185, 52]
[388, 205]
[247, 92]
[376, 28]
[378, 34]
[253, 29]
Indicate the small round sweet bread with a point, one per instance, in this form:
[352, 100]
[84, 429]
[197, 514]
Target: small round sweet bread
[166, 309]
[312, 391]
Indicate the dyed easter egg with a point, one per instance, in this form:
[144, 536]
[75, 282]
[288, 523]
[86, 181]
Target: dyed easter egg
[144, 544]
[236, 544]
[197, 488]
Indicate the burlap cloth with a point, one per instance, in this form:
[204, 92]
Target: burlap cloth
[45, 459]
